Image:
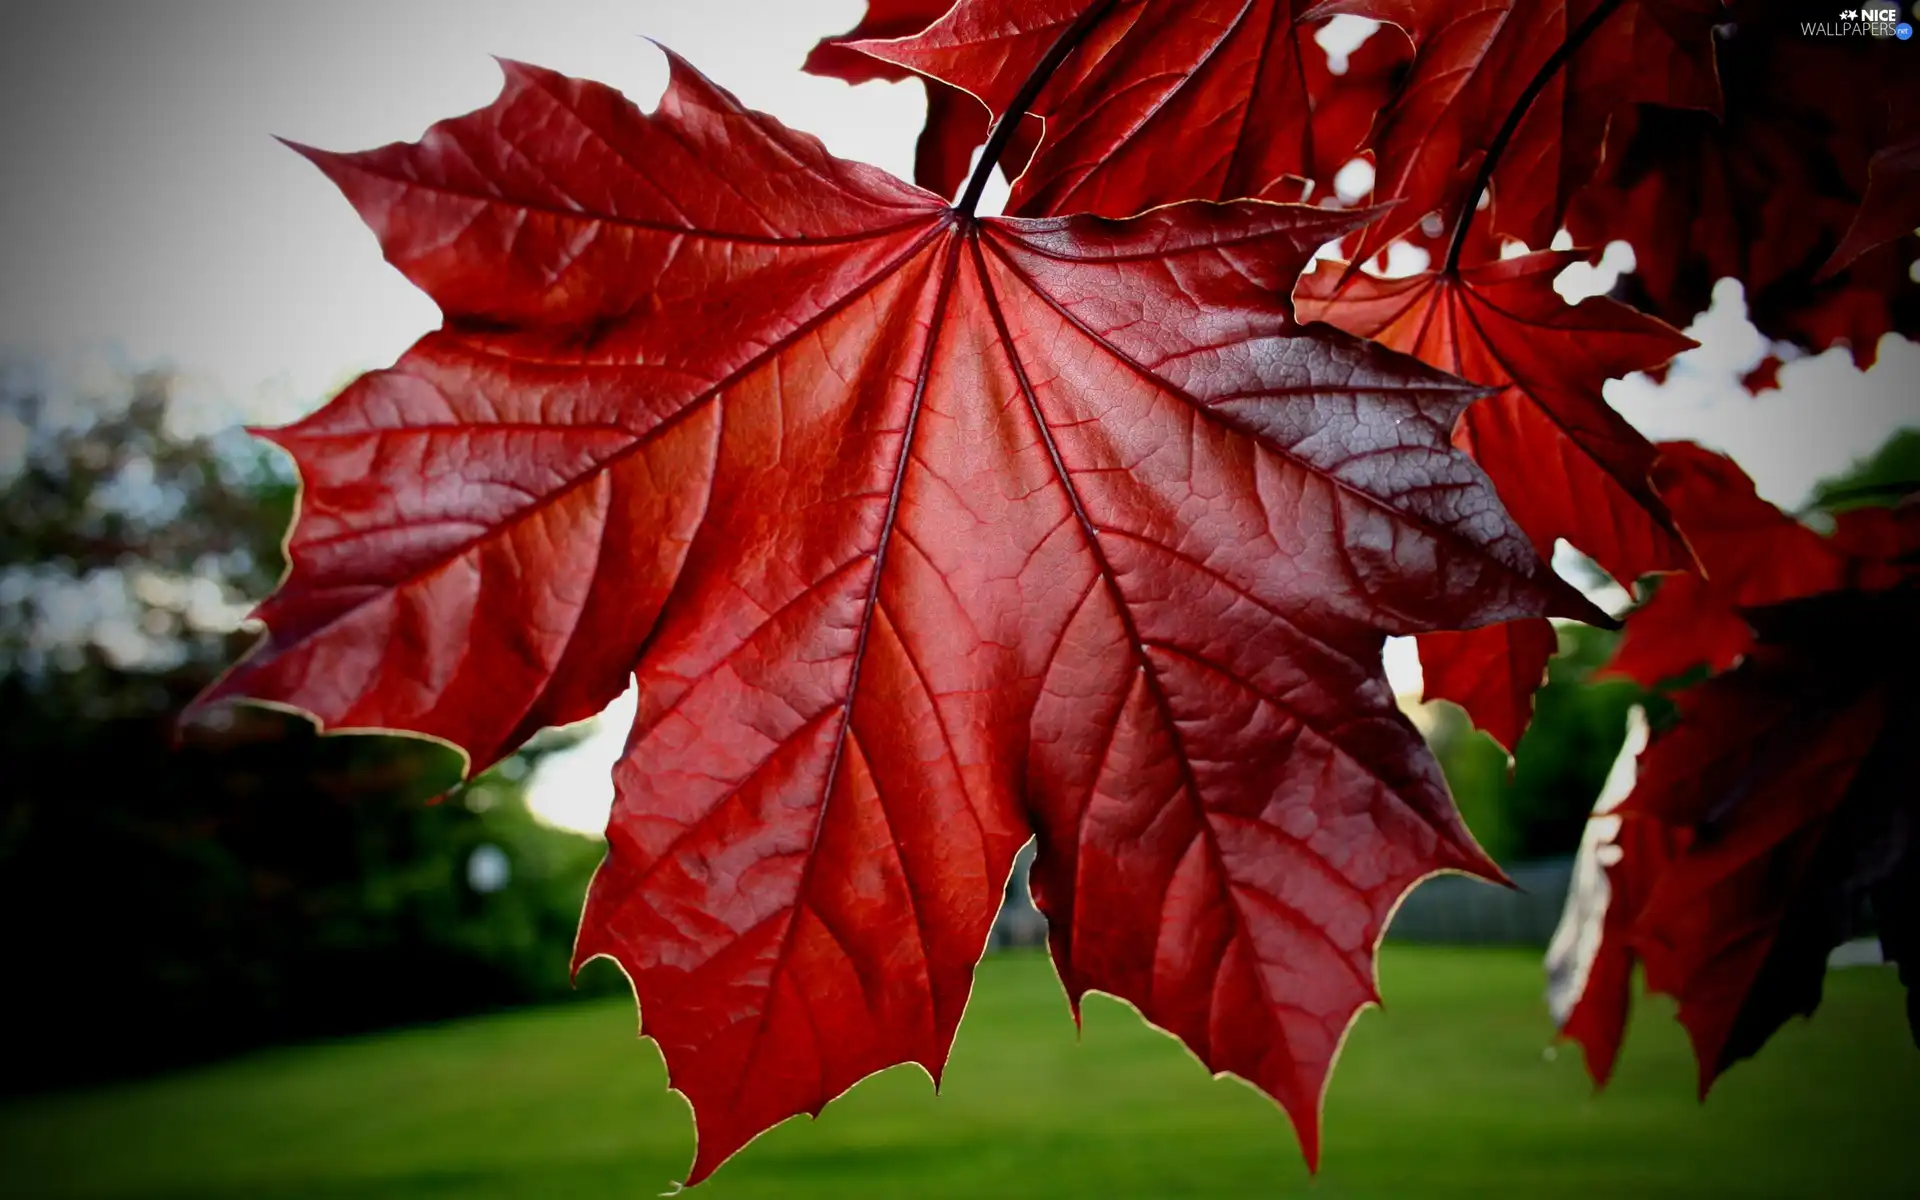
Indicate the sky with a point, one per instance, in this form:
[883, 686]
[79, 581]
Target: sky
[149, 217]
[148, 211]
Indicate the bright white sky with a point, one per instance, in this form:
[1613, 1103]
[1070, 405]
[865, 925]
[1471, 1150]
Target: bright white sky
[148, 216]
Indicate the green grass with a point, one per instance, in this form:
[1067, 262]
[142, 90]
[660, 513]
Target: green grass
[1448, 1093]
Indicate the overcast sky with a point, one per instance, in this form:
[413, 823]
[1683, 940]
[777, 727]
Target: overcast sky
[148, 216]
[147, 207]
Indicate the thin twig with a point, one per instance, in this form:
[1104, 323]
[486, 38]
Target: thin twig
[1511, 125]
[1009, 121]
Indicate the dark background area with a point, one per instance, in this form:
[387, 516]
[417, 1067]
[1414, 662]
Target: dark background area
[169, 895]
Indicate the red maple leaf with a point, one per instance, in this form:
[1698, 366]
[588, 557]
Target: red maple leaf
[1159, 101]
[920, 534]
[1530, 84]
[1565, 464]
[1750, 553]
[1773, 194]
[1781, 797]
[956, 123]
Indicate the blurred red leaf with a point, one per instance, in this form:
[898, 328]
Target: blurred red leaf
[1773, 194]
[1686, 623]
[1163, 100]
[1474, 61]
[1641, 848]
[1748, 549]
[921, 534]
[1782, 796]
[1780, 801]
[1881, 546]
[1750, 554]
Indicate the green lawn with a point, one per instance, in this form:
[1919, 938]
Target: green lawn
[1447, 1093]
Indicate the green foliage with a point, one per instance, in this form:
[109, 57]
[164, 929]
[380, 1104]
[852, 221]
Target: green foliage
[1882, 477]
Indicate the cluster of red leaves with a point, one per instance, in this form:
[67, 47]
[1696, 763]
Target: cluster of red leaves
[922, 534]
[1565, 464]
[1783, 796]
[1804, 192]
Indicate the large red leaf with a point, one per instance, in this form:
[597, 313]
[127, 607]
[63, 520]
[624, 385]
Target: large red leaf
[920, 534]
[1474, 64]
[1161, 100]
[956, 123]
[1565, 464]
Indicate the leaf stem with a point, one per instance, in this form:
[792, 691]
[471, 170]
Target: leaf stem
[1511, 125]
[1009, 121]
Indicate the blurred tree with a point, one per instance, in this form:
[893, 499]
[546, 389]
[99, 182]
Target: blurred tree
[256, 882]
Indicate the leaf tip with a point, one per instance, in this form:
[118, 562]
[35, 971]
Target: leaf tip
[1599, 1061]
[935, 1072]
[679, 71]
[1491, 872]
[871, 47]
[1705, 1084]
[273, 434]
[324, 159]
[1309, 1134]
[1570, 603]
